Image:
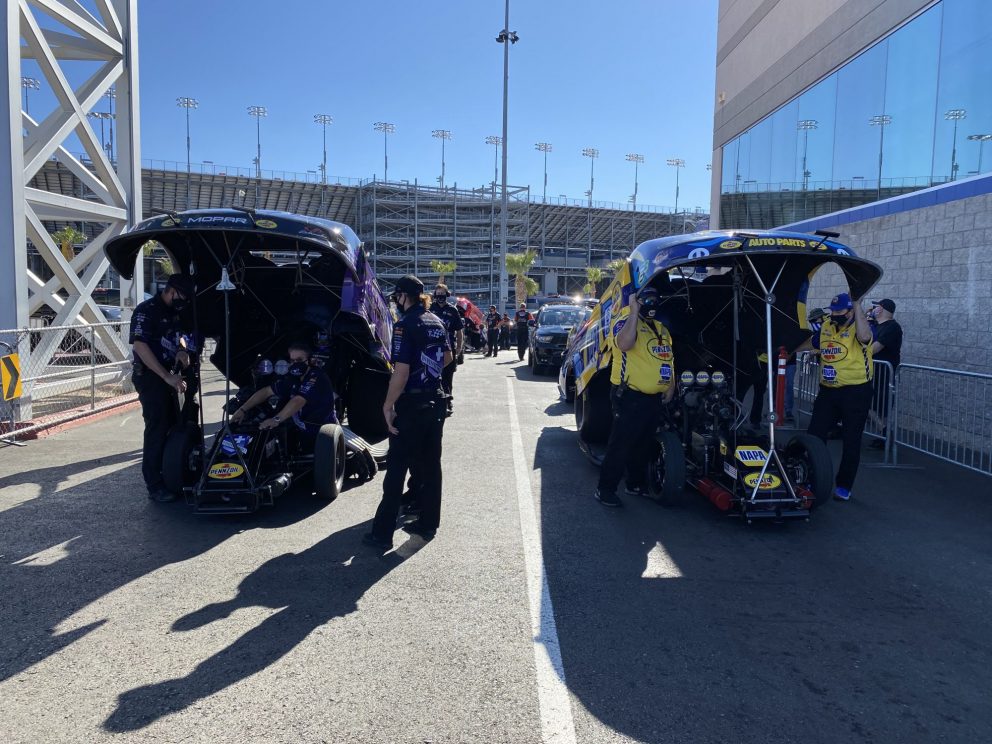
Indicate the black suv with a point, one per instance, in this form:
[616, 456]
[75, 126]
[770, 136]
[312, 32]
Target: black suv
[550, 334]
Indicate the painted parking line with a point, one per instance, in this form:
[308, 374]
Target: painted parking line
[556, 708]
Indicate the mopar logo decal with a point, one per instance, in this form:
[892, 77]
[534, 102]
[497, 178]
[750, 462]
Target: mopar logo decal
[699, 252]
[225, 471]
[768, 481]
[751, 456]
[216, 220]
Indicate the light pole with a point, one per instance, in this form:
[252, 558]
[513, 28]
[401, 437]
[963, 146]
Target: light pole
[955, 115]
[981, 139]
[258, 112]
[323, 120]
[444, 135]
[592, 153]
[506, 38]
[102, 116]
[387, 129]
[544, 147]
[492, 139]
[29, 83]
[677, 163]
[111, 96]
[636, 159]
[187, 103]
[881, 121]
[804, 126]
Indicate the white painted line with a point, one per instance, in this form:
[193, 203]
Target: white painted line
[557, 725]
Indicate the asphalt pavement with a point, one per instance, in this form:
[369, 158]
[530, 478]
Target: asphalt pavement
[535, 615]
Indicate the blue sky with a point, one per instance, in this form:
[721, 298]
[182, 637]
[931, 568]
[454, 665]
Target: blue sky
[627, 76]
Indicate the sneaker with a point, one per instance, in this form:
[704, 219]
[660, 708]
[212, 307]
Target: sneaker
[376, 542]
[416, 528]
[162, 496]
[637, 491]
[608, 499]
[842, 494]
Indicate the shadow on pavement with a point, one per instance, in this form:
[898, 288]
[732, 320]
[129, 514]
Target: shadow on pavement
[868, 623]
[307, 589]
[65, 549]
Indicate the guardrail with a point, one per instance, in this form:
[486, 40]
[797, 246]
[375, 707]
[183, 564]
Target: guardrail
[66, 372]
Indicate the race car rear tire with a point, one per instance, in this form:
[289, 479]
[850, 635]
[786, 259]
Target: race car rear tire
[666, 471]
[593, 415]
[329, 462]
[180, 464]
[810, 466]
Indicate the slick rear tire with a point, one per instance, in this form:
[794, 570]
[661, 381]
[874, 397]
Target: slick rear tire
[181, 458]
[810, 466]
[329, 462]
[666, 471]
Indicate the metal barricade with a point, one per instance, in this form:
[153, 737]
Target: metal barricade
[66, 372]
[884, 400]
[945, 413]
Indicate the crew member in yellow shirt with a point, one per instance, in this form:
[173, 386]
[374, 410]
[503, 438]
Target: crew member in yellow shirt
[643, 381]
[844, 342]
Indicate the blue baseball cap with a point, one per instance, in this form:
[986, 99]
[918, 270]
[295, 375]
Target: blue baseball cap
[841, 302]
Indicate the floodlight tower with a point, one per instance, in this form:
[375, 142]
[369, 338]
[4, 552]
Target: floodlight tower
[955, 115]
[544, 147]
[881, 121]
[29, 83]
[804, 126]
[259, 112]
[444, 135]
[677, 163]
[506, 38]
[387, 129]
[636, 159]
[981, 139]
[187, 103]
[492, 139]
[323, 120]
[592, 153]
[111, 96]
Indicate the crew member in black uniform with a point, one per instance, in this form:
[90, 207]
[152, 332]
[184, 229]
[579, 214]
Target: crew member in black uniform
[504, 333]
[414, 411]
[523, 320]
[493, 322]
[308, 393]
[453, 323]
[155, 338]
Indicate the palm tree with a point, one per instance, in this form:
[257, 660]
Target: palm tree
[595, 275]
[614, 266]
[517, 266]
[443, 267]
[67, 237]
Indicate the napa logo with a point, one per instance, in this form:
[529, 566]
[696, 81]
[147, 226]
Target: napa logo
[833, 352]
[764, 482]
[751, 456]
[665, 373]
[702, 377]
[687, 378]
[729, 245]
[225, 471]
[719, 378]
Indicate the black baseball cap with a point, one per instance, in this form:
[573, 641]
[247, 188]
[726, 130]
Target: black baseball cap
[410, 285]
[885, 304]
[182, 284]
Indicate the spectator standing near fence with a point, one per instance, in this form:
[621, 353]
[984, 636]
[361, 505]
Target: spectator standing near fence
[844, 342]
[886, 348]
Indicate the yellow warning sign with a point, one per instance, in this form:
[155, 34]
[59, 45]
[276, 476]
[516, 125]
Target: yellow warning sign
[10, 376]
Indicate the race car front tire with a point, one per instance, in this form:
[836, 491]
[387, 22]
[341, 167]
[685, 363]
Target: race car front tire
[329, 462]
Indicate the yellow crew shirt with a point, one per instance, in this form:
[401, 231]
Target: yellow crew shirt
[844, 360]
[649, 367]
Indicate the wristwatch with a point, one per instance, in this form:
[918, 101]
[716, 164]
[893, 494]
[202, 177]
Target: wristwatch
[276, 419]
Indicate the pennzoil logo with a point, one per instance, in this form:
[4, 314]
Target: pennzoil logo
[751, 456]
[833, 352]
[225, 471]
[267, 224]
[768, 481]
[729, 245]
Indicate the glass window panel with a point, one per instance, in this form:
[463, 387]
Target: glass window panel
[759, 155]
[815, 141]
[727, 177]
[910, 99]
[964, 105]
[783, 156]
[860, 98]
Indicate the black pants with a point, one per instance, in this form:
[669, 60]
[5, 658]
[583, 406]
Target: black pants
[849, 405]
[418, 446]
[448, 378]
[493, 341]
[160, 410]
[632, 442]
[759, 384]
[522, 342]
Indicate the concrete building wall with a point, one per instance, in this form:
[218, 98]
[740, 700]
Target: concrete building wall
[938, 269]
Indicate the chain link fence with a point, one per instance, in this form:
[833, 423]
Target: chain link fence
[66, 372]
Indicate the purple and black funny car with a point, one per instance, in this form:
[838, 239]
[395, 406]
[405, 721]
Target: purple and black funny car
[265, 280]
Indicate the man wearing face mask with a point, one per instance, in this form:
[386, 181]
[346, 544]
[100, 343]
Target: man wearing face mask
[155, 338]
[643, 379]
[455, 326]
[494, 321]
[845, 345]
[308, 394]
[522, 319]
[414, 410]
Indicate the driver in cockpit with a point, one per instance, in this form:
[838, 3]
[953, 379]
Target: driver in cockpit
[308, 394]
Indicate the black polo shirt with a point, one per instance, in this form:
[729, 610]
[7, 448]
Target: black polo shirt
[157, 325]
[420, 340]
